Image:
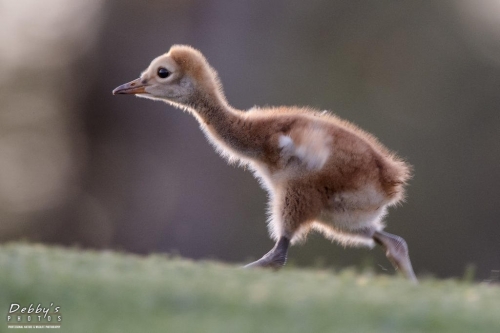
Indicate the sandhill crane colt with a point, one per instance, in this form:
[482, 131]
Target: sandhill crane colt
[320, 172]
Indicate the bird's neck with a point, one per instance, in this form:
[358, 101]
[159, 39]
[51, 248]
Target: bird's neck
[210, 108]
[224, 125]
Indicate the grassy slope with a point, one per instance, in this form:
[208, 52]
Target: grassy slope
[109, 292]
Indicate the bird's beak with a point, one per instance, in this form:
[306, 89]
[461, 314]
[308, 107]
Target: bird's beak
[132, 87]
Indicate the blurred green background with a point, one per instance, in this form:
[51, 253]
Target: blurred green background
[80, 166]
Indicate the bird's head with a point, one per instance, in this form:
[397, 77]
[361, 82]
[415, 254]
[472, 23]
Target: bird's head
[181, 77]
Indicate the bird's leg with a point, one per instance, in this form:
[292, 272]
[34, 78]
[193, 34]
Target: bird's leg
[397, 252]
[276, 258]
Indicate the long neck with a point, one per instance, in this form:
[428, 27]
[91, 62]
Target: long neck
[226, 127]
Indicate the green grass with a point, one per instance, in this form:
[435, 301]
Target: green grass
[111, 292]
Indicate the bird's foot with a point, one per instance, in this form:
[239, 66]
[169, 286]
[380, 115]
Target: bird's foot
[276, 258]
[274, 262]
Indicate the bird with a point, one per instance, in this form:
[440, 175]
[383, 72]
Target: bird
[320, 172]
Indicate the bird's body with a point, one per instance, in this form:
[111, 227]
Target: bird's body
[341, 176]
[320, 172]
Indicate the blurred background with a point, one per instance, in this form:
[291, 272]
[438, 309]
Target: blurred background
[79, 166]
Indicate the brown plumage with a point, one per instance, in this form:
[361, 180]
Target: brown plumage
[321, 172]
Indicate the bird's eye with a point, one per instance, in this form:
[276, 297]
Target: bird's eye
[163, 72]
